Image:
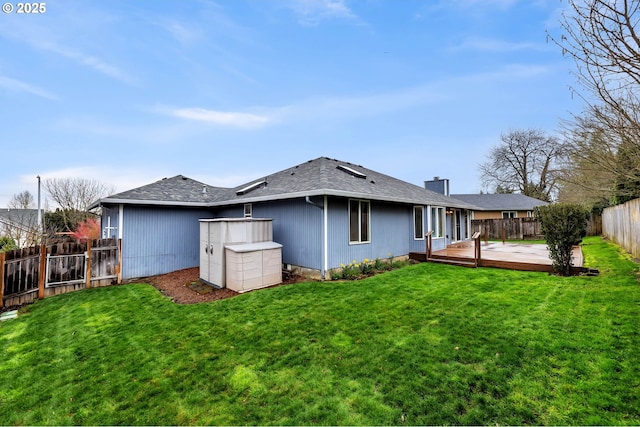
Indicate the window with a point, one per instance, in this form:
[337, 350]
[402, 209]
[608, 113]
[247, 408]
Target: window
[248, 210]
[530, 214]
[359, 221]
[509, 214]
[418, 223]
[437, 222]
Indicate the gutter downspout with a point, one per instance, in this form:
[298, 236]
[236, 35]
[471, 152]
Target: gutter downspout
[325, 254]
[120, 220]
[312, 203]
[325, 220]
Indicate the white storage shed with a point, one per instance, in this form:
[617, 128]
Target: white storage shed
[215, 234]
[253, 265]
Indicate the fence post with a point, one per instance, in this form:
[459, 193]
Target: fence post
[43, 271]
[2, 259]
[87, 274]
[119, 269]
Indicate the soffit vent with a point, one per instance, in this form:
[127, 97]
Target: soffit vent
[250, 187]
[352, 172]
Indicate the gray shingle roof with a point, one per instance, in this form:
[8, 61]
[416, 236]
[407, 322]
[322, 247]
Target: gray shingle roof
[174, 191]
[19, 217]
[501, 202]
[325, 176]
[317, 177]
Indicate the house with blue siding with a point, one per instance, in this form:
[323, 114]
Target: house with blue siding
[325, 213]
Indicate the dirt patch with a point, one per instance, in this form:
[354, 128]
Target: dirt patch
[185, 287]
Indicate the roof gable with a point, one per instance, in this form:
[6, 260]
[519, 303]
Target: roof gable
[175, 190]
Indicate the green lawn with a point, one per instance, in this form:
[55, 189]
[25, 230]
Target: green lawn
[426, 344]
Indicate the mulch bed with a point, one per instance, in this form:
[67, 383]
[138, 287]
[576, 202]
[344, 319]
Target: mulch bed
[185, 287]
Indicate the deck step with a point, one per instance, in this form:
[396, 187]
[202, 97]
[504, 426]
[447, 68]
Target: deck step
[452, 261]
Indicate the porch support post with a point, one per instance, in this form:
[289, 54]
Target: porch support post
[476, 247]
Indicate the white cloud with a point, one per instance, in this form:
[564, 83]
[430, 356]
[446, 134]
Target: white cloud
[311, 12]
[221, 118]
[84, 59]
[43, 38]
[493, 45]
[19, 86]
[456, 88]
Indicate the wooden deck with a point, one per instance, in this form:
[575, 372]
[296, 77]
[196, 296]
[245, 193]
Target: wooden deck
[511, 256]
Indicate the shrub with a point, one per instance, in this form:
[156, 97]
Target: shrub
[7, 244]
[563, 225]
[356, 270]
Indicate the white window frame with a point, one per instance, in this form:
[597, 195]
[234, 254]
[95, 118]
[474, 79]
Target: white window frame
[530, 214]
[509, 214]
[438, 222]
[248, 210]
[418, 234]
[360, 204]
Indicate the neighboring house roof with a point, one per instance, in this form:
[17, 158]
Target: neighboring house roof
[318, 177]
[25, 219]
[501, 202]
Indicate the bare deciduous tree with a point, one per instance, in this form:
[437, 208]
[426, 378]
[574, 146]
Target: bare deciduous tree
[22, 200]
[20, 221]
[74, 196]
[603, 157]
[601, 36]
[527, 161]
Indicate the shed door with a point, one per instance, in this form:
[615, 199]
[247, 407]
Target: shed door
[204, 251]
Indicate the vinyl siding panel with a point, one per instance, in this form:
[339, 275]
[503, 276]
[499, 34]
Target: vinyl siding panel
[391, 233]
[160, 240]
[109, 222]
[297, 225]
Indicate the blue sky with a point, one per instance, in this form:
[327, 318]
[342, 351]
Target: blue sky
[129, 92]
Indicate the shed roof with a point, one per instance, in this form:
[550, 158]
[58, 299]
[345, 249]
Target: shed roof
[501, 202]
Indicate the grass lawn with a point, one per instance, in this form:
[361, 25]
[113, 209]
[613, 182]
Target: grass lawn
[426, 344]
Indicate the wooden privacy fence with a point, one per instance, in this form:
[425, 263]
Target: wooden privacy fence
[621, 224]
[523, 228]
[41, 271]
[507, 229]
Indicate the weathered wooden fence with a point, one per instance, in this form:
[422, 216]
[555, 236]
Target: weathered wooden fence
[507, 229]
[42, 271]
[522, 228]
[621, 224]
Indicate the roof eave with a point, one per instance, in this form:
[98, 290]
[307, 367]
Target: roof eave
[338, 193]
[110, 201]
